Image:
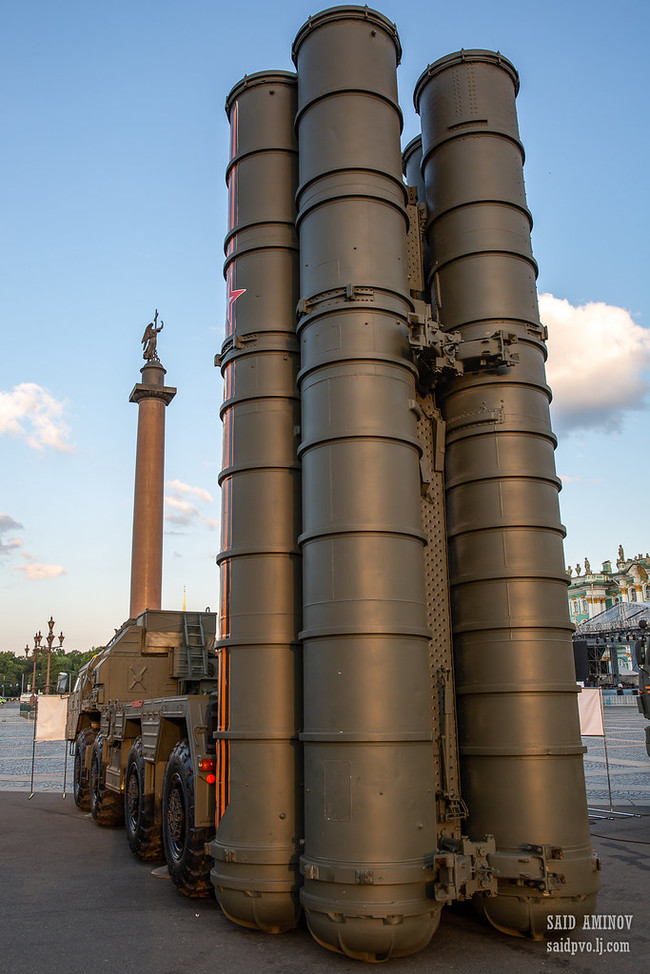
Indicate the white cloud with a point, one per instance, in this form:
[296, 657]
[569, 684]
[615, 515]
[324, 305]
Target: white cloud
[598, 360]
[37, 572]
[32, 414]
[33, 569]
[7, 524]
[11, 544]
[181, 512]
[180, 488]
[579, 480]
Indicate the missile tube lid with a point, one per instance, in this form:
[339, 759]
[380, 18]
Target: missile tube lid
[347, 12]
[472, 56]
[258, 78]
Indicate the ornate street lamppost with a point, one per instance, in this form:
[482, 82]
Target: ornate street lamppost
[37, 642]
[22, 675]
[49, 639]
[61, 637]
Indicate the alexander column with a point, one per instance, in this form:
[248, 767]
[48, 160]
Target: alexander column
[152, 397]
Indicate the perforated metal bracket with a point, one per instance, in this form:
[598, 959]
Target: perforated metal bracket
[464, 869]
[491, 352]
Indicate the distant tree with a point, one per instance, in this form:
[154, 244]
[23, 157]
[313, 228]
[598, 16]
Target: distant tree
[11, 670]
[19, 670]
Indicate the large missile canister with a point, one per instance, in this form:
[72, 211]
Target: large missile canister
[259, 789]
[370, 829]
[521, 754]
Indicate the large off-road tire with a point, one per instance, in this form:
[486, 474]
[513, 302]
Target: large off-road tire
[142, 829]
[80, 785]
[189, 867]
[106, 807]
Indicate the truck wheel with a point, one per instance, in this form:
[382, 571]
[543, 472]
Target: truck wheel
[189, 867]
[80, 787]
[142, 830]
[106, 806]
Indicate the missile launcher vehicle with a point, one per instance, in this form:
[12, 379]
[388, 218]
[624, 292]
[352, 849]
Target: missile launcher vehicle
[141, 718]
[392, 723]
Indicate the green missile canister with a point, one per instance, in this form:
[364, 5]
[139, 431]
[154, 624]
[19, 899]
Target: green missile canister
[370, 828]
[520, 747]
[259, 788]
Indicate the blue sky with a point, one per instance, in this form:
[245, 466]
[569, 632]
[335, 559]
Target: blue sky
[114, 204]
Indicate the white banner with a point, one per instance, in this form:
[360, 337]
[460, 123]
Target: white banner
[50, 718]
[591, 714]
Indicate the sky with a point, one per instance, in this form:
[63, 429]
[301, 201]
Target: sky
[113, 204]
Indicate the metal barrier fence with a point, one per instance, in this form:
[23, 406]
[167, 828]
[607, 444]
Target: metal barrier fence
[624, 700]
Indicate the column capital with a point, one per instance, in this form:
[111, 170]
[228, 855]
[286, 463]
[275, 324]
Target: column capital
[142, 391]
